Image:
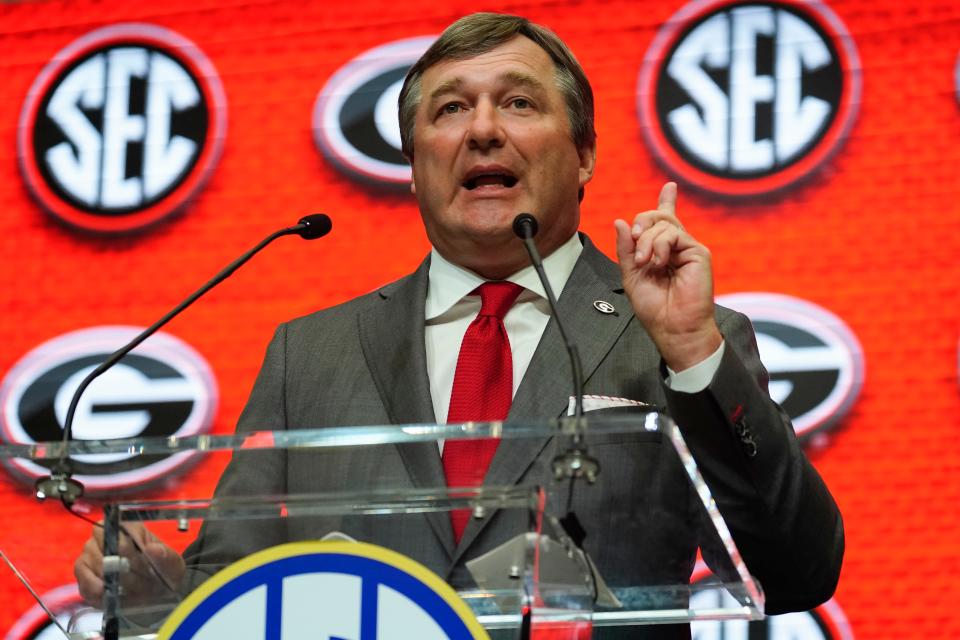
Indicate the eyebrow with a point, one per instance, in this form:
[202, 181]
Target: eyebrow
[515, 78]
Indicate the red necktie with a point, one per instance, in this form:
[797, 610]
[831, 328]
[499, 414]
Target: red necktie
[482, 390]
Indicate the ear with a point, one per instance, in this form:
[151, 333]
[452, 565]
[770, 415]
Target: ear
[588, 160]
[413, 181]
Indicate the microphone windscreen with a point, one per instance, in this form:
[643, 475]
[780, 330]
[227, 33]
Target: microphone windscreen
[525, 226]
[315, 225]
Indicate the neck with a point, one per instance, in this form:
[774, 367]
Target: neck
[501, 261]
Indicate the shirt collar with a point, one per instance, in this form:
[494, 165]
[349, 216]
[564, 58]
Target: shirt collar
[450, 283]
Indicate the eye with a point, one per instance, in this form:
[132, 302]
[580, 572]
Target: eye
[450, 108]
[520, 103]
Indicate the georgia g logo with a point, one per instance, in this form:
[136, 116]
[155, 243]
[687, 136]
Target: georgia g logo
[355, 123]
[121, 128]
[162, 388]
[815, 361]
[741, 98]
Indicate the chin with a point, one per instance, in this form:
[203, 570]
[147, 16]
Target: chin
[489, 219]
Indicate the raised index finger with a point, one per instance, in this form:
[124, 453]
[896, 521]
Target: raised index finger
[667, 203]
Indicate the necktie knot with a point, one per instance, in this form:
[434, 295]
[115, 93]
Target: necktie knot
[496, 298]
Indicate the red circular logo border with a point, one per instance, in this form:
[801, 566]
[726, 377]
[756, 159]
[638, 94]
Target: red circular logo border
[328, 103]
[184, 52]
[829, 144]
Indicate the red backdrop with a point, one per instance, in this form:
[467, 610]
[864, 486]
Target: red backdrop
[872, 237]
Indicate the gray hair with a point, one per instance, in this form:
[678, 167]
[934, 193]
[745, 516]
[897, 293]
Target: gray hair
[481, 32]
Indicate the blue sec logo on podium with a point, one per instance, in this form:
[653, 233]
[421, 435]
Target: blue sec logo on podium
[333, 590]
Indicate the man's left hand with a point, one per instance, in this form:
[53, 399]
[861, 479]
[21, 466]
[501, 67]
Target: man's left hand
[668, 278]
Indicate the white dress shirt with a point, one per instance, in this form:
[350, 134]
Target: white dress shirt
[450, 309]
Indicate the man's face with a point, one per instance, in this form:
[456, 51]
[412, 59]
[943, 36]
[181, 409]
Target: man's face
[492, 140]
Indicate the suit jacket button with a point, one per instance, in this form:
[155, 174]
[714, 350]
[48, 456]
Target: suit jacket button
[746, 438]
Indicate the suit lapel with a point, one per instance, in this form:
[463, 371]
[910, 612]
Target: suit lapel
[547, 385]
[392, 338]
[391, 335]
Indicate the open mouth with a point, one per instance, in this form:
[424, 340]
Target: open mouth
[489, 179]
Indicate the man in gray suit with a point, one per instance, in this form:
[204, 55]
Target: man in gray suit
[496, 119]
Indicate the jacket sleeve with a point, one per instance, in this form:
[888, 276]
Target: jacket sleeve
[783, 519]
[249, 473]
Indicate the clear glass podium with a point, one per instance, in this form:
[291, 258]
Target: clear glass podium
[608, 523]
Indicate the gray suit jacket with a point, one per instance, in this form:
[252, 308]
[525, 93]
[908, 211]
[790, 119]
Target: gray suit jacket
[363, 363]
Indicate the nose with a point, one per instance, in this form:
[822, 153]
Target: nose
[486, 129]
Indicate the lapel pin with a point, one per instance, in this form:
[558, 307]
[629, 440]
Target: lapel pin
[604, 307]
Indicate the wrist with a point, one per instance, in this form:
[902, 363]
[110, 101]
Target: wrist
[682, 351]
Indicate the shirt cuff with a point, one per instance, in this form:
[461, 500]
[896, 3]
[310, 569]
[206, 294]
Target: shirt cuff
[698, 377]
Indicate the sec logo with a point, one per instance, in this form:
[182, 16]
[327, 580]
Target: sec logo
[162, 388]
[744, 98]
[355, 122]
[814, 360]
[324, 590]
[121, 128]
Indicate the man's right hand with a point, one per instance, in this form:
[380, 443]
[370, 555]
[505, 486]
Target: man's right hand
[140, 583]
[668, 277]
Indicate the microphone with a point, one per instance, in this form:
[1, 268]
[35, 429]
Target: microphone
[60, 483]
[525, 226]
[313, 226]
[575, 462]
